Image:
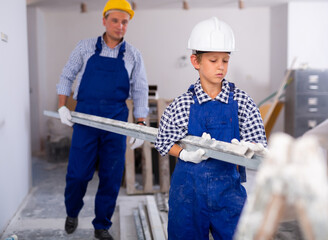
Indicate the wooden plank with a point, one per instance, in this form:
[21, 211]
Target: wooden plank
[273, 213]
[130, 176]
[164, 162]
[164, 173]
[147, 168]
[269, 124]
[154, 219]
[144, 222]
[305, 222]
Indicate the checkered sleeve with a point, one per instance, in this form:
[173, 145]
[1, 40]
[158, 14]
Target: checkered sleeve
[174, 123]
[139, 87]
[251, 126]
[70, 71]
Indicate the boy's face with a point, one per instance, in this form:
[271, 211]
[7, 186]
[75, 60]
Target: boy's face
[212, 66]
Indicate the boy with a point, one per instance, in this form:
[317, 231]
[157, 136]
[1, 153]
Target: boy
[208, 195]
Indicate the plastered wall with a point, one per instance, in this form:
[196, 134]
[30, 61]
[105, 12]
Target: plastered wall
[15, 164]
[161, 36]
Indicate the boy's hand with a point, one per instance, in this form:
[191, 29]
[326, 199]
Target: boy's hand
[193, 156]
[206, 136]
[257, 148]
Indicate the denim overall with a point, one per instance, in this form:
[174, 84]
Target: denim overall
[207, 196]
[103, 91]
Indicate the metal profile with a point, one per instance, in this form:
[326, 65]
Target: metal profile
[224, 151]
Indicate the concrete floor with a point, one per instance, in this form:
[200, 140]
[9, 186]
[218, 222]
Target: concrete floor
[42, 215]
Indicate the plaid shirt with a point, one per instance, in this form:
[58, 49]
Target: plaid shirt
[174, 121]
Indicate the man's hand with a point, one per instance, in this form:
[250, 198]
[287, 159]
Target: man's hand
[135, 142]
[257, 148]
[65, 116]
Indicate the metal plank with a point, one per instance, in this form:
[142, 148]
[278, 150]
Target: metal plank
[137, 221]
[223, 151]
[144, 222]
[154, 219]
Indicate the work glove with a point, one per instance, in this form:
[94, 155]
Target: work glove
[136, 142]
[194, 156]
[65, 116]
[257, 148]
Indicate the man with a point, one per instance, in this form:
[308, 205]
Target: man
[108, 71]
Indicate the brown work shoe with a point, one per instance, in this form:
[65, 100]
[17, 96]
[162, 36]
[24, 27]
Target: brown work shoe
[103, 234]
[70, 224]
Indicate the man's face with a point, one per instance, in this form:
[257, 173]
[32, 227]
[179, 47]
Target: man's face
[116, 25]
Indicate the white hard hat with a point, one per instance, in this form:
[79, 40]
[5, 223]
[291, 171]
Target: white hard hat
[212, 35]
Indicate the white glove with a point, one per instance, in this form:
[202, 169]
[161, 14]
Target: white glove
[206, 136]
[194, 156]
[257, 148]
[136, 142]
[65, 116]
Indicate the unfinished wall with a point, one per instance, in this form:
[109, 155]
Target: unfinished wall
[298, 30]
[161, 36]
[278, 56]
[15, 164]
[308, 33]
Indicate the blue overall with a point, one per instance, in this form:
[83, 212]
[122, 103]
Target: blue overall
[207, 196]
[103, 91]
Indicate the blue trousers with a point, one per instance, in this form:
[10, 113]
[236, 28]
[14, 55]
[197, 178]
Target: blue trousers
[90, 145]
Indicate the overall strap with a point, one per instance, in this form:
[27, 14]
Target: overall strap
[241, 169]
[232, 89]
[192, 90]
[98, 46]
[121, 51]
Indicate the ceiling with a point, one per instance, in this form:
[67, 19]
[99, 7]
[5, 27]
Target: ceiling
[94, 5]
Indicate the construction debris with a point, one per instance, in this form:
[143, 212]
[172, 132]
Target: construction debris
[293, 174]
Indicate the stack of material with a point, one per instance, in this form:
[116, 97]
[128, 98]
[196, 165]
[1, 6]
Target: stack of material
[144, 217]
[151, 219]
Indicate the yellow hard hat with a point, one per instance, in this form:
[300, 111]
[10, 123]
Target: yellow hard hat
[119, 5]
